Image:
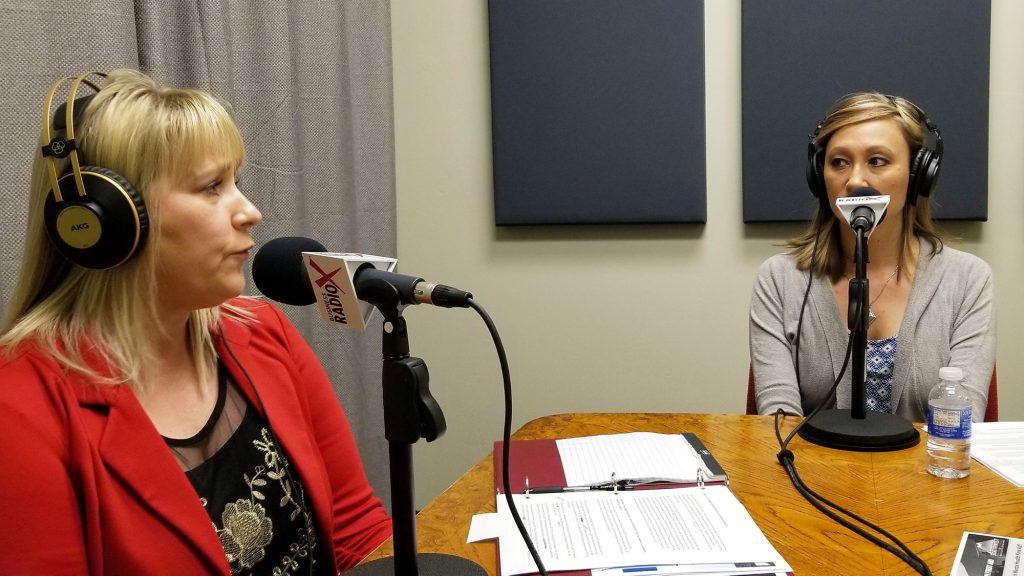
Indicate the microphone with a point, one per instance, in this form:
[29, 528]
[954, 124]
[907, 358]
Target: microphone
[864, 209]
[346, 286]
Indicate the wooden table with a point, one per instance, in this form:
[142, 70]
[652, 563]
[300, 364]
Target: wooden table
[892, 489]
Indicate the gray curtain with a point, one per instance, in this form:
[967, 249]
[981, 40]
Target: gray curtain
[309, 82]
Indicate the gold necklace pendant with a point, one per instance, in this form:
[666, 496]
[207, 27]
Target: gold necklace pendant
[871, 313]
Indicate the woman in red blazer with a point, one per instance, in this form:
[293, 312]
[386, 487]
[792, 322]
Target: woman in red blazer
[152, 422]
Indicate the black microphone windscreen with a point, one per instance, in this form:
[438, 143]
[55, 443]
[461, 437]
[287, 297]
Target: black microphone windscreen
[280, 274]
[859, 192]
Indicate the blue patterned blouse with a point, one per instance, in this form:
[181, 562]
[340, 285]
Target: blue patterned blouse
[878, 368]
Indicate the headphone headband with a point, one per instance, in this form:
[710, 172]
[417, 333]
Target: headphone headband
[925, 120]
[94, 216]
[61, 147]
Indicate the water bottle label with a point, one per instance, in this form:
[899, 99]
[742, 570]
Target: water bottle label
[951, 424]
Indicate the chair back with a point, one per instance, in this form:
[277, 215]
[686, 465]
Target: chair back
[751, 399]
[992, 408]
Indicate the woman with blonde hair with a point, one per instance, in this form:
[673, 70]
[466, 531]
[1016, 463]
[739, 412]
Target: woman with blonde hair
[929, 305]
[153, 420]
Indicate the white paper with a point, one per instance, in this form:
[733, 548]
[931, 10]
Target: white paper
[985, 555]
[601, 529]
[642, 456]
[1000, 446]
[484, 527]
[685, 570]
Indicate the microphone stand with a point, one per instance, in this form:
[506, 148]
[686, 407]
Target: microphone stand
[859, 303]
[859, 428]
[410, 413]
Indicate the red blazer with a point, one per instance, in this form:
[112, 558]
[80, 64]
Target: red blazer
[89, 487]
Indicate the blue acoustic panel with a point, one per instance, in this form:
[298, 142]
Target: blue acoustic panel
[800, 56]
[597, 111]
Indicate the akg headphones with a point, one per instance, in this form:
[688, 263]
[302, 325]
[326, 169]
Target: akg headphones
[924, 167]
[93, 215]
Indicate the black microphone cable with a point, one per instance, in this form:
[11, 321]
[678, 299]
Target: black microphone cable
[787, 459]
[506, 436]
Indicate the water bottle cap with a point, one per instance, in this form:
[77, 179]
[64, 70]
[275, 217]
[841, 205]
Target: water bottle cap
[951, 373]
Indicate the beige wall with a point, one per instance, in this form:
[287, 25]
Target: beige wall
[621, 318]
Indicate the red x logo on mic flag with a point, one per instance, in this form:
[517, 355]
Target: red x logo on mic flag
[326, 277]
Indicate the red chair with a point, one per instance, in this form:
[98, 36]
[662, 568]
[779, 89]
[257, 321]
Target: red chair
[751, 400]
[991, 410]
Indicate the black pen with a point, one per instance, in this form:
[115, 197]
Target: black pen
[563, 489]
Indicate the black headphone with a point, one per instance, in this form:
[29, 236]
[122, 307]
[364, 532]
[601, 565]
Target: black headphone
[924, 168]
[93, 215]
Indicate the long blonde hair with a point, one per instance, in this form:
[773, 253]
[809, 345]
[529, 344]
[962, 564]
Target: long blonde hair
[824, 230]
[144, 132]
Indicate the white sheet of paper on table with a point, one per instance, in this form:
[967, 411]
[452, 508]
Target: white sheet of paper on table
[601, 529]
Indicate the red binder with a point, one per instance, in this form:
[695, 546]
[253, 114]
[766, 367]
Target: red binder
[540, 462]
[536, 459]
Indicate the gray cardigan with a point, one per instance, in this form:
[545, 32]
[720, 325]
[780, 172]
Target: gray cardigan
[949, 321]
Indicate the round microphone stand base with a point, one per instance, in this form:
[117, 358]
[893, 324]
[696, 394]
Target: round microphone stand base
[428, 565]
[877, 432]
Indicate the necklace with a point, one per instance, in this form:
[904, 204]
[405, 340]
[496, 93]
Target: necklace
[871, 313]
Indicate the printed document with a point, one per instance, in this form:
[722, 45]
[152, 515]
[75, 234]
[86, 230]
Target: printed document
[988, 555]
[635, 456]
[727, 569]
[604, 529]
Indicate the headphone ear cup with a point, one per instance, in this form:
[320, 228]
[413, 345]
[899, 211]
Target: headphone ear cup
[924, 175]
[102, 229]
[815, 171]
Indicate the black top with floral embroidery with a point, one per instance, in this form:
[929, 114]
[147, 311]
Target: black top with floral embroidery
[257, 505]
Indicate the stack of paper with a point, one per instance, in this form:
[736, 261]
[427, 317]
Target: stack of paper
[696, 529]
[693, 528]
[1000, 446]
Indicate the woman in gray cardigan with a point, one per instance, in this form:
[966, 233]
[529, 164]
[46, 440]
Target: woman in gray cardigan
[930, 305]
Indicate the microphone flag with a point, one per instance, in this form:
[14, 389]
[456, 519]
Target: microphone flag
[331, 276]
[876, 204]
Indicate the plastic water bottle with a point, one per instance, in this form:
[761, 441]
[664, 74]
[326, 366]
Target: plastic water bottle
[949, 426]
